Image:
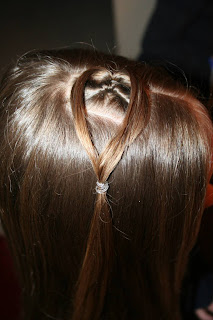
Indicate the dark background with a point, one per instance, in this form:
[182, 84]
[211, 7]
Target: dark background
[27, 25]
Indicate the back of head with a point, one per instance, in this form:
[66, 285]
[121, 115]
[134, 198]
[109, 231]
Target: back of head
[104, 167]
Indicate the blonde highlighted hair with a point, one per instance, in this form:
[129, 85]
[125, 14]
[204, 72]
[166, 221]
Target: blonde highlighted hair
[69, 119]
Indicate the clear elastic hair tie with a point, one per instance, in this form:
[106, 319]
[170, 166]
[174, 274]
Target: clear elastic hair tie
[101, 187]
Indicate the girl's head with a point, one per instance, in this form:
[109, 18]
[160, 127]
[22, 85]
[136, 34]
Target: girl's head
[72, 123]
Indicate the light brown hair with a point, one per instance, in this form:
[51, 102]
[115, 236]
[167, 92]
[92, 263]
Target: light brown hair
[67, 120]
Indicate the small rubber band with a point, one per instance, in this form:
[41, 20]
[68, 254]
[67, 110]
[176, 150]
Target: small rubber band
[101, 187]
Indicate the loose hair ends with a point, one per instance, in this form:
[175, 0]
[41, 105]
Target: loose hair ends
[97, 265]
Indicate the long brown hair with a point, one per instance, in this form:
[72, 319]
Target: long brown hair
[67, 120]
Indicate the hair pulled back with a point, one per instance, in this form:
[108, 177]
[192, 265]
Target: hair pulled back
[68, 121]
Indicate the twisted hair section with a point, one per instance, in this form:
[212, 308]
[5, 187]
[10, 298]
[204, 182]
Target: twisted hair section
[98, 261]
